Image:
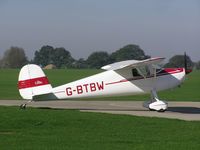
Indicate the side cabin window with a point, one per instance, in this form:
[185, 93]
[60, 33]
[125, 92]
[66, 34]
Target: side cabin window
[135, 73]
[142, 71]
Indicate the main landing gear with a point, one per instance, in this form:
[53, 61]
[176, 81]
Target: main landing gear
[155, 104]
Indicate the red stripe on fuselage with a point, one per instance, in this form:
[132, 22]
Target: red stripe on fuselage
[33, 82]
[173, 70]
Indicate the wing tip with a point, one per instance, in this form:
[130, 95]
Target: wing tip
[106, 67]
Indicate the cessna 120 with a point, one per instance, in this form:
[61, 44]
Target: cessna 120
[129, 77]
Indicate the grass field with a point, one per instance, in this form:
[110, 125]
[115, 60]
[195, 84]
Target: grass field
[71, 129]
[189, 91]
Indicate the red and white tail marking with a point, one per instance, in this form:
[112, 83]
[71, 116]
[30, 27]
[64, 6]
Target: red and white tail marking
[32, 81]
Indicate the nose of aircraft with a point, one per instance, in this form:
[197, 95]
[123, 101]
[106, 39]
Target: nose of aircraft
[181, 76]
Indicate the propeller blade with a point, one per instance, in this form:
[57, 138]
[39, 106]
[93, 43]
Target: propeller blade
[187, 71]
[185, 62]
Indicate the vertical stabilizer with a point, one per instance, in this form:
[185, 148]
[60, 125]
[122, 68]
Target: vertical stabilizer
[32, 82]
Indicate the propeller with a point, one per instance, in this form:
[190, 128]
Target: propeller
[187, 71]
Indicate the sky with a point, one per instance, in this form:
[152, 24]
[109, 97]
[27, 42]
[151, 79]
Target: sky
[160, 27]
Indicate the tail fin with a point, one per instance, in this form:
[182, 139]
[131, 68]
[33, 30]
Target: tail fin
[33, 82]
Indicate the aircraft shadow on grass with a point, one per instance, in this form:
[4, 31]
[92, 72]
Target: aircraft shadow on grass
[185, 110]
[94, 109]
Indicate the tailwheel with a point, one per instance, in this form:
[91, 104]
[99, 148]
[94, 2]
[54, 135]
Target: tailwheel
[23, 106]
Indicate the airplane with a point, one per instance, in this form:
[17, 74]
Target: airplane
[130, 77]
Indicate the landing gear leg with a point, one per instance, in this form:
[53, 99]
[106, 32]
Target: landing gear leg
[155, 104]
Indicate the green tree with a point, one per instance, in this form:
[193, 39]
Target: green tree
[129, 52]
[14, 58]
[1, 63]
[44, 56]
[60, 57]
[178, 61]
[98, 59]
[197, 65]
[81, 63]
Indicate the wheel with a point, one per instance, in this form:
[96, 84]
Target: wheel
[23, 106]
[162, 110]
[151, 109]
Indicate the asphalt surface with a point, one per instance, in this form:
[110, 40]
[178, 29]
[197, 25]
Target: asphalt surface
[189, 111]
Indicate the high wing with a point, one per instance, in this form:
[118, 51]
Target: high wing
[133, 63]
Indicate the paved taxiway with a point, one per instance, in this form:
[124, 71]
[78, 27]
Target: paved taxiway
[189, 111]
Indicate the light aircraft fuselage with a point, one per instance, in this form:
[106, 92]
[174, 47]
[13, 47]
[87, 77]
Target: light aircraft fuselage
[122, 78]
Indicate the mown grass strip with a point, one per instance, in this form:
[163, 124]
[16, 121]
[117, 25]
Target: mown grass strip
[71, 129]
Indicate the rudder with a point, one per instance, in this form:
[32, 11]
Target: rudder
[32, 82]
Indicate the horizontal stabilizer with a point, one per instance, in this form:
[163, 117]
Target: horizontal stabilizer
[44, 97]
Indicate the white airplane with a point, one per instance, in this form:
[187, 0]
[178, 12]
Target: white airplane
[129, 77]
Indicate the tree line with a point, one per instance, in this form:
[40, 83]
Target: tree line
[15, 57]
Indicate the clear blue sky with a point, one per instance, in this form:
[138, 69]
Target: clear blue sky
[160, 27]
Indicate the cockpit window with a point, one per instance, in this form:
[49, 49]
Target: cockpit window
[144, 71]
